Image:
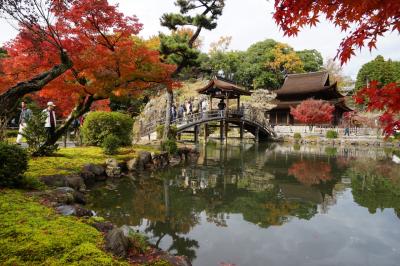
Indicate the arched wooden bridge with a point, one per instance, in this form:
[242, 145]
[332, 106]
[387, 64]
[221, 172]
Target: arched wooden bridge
[244, 119]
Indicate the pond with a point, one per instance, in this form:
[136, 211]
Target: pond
[253, 204]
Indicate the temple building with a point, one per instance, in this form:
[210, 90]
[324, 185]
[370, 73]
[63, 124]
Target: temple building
[300, 87]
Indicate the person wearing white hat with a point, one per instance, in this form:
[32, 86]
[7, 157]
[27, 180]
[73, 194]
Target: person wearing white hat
[50, 122]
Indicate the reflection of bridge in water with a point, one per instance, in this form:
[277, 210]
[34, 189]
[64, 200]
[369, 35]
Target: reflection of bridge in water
[245, 119]
[246, 167]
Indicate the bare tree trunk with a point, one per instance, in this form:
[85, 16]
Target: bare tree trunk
[9, 99]
[82, 107]
[167, 125]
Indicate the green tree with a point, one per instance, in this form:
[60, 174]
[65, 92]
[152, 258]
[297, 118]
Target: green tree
[266, 63]
[312, 60]
[179, 48]
[225, 64]
[380, 70]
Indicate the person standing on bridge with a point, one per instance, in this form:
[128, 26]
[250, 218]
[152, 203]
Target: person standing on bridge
[181, 111]
[221, 107]
[204, 108]
[24, 117]
[173, 113]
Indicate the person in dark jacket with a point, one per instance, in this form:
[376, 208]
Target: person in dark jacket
[24, 117]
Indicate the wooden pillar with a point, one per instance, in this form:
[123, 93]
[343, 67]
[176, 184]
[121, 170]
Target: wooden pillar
[227, 105]
[257, 134]
[221, 130]
[287, 118]
[241, 131]
[276, 118]
[196, 134]
[238, 103]
[226, 129]
[205, 132]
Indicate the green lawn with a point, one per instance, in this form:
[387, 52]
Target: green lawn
[32, 234]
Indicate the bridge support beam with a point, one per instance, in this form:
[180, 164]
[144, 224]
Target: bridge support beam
[206, 132]
[241, 131]
[257, 134]
[226, 130]
[196, 133]
[221, 130]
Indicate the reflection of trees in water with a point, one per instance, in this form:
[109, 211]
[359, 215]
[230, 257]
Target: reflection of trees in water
[243, 181]
[180, 245]
[311, 172]
[375, 184]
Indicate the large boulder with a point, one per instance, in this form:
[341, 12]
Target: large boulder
[66, 210]
[132, 164]
[144, 159]
[113, 172]
[73, 181]
[79, 197]
[92, 173]
[62, 195]
[112, 168]
[117, 243]
[97, 170]
[111, 162]
[104, 227]
[161, 160]
[75, 210]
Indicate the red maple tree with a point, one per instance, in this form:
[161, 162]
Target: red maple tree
[369, 19]
[313, 112]
[365, 21]
[385, 99]
[105, 57]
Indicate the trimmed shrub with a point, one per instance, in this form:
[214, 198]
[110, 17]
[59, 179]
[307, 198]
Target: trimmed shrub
[331, 134]
[297, 136]
[35, 134]
[99, 125]
[172, 132]
[110, 144]
[169, 146]
[13, 163]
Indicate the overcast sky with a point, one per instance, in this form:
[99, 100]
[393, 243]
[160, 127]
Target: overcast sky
[248, 22]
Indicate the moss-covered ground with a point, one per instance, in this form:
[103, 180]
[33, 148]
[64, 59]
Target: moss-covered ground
[70, 160]
[33, 234]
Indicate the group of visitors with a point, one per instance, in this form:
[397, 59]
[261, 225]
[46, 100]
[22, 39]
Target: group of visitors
[181, 111]
[50, 121]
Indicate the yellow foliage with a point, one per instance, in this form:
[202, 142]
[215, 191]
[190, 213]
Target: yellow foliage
[285, 57]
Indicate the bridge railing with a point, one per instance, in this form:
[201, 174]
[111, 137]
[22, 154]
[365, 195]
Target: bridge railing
[197, 118]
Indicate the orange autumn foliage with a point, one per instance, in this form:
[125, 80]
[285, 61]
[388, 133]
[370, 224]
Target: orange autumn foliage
[99, 41]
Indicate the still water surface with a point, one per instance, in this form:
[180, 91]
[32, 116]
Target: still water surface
[267, 205]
